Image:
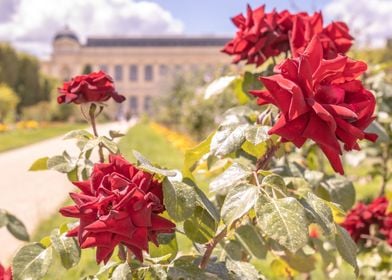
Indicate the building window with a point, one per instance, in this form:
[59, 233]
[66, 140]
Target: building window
[118, 72]
[147, 103]
[133, 103]
[133, 73]
[148, 73]
[163, 70]
[104, 68]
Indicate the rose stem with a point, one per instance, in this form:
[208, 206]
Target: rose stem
[210, 248]
[261, 163]
[94, 126]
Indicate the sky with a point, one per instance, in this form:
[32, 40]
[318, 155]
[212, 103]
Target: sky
[31, 24]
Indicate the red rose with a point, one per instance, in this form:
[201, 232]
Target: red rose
[386, 228]
[362, 217]
[118, 204]
[320, 100]
[5, 274]
[94, 87]
[260, 35]
[335, 37]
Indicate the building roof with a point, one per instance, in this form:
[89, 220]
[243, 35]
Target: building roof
[157, 42]
[66, 32]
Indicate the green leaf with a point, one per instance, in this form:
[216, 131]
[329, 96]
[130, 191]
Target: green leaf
[3, 218]
[167, 248]
[378, 129]
[229, 178]
[67, 247]
[242, 97]
[109, 144]
[17, 228]
[201, 227]
[283, 220]
[115, 134]
[122, 272]
[31, 262]
[275, 182]
[91, 144]
[192, 156]
[257, 134]
[320, 212]
[184, 268]
[339, 190]
[80, 134]
[238, 202]
[242, 270]
[61, 164]
[228, 139]
[238, 115]
[234, 249]
[347, 248]
[299, 261]
[218, 86]
[145, 164]
[39, 164]
[151, 272]
[73, 175]
[203, 201]
[251, 82]
[251, 240]
[179, 199]
[254, 150]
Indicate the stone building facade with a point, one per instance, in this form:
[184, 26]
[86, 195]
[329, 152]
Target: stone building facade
[141, 67]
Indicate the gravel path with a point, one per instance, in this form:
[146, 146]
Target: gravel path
[34, 196]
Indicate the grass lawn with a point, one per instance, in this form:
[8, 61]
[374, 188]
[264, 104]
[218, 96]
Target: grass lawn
[22, 137]
[156, 148]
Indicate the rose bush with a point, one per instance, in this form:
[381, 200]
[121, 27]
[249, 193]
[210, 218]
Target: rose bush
[320, 100]
[260, 205]
[94, 87]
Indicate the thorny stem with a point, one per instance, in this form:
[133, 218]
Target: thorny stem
[385, 173]
[94, 126]
[263, 162]
[210, 247]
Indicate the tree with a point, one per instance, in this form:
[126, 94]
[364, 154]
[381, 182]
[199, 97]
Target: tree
[8, 101]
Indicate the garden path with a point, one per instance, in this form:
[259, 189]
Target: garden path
[35, 196]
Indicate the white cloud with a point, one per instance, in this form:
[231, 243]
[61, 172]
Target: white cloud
[31, 24]
[370, 21]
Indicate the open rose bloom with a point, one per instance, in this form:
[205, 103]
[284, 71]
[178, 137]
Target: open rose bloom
[94, 87]
[118, 204]
[335, 38]
[261, 35]
[321, 100]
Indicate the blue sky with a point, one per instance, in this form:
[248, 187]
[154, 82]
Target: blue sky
[213, 16]
[30, 25]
